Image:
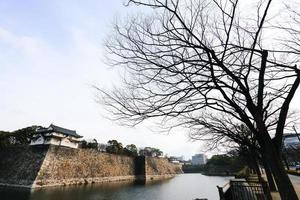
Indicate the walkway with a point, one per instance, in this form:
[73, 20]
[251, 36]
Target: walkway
[296, 182]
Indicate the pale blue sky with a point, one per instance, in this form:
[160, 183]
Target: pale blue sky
[50, 55]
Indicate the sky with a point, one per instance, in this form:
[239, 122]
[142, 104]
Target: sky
[51, 53]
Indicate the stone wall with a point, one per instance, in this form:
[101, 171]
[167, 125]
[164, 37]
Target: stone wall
[40, 166]
[160, 168]
[19, 165]
[64, 166]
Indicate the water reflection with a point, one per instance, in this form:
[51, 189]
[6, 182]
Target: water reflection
[182, 187]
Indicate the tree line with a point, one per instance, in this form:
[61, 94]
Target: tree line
[18, 137]
[23, 137]
[115, 147]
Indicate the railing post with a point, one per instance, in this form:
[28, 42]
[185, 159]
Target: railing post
[221, 193]
[266, 190]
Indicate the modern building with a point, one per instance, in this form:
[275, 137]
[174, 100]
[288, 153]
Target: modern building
[291, 148]
[291, 141]
[56, 135]
[199, 159]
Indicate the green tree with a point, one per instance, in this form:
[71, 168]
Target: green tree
[150, 151]
[131, 150]
[18, 137]
[114, 147]
[24, 135]
[5, 139]
[93, 144]
[231, 162]
[220, 160]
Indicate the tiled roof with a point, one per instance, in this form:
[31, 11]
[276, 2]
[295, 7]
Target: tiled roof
[57, 129]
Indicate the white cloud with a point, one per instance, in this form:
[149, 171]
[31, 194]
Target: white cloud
[29, 45]
[50, 84]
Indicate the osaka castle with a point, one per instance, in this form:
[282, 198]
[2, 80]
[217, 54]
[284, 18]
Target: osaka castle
[55, 135]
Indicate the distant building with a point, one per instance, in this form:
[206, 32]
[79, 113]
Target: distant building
[176, 158]
[187, 162]
[56, 135]
[291, 141]
[291, 148]
[175, 162]
[198, 159]
[91, 141]
[102, 147]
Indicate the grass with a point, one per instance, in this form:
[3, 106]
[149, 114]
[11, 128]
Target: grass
[293, 172]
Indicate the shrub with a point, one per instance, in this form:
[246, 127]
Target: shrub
[294, 172]
[243, 173]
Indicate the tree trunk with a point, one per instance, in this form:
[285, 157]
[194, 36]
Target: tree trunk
[285, 187]
[285, 162]
[256, 167]
[269, 175]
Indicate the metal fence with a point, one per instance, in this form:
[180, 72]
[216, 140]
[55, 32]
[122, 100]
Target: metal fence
[249, 190]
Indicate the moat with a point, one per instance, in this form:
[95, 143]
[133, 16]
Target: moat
[182, 187]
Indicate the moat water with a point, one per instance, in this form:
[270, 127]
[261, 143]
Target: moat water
[181, 187]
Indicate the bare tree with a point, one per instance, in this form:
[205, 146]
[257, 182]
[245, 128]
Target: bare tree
[224, 133]
[193, 58]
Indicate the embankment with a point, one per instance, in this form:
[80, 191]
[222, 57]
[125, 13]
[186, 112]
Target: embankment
[33, 167]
